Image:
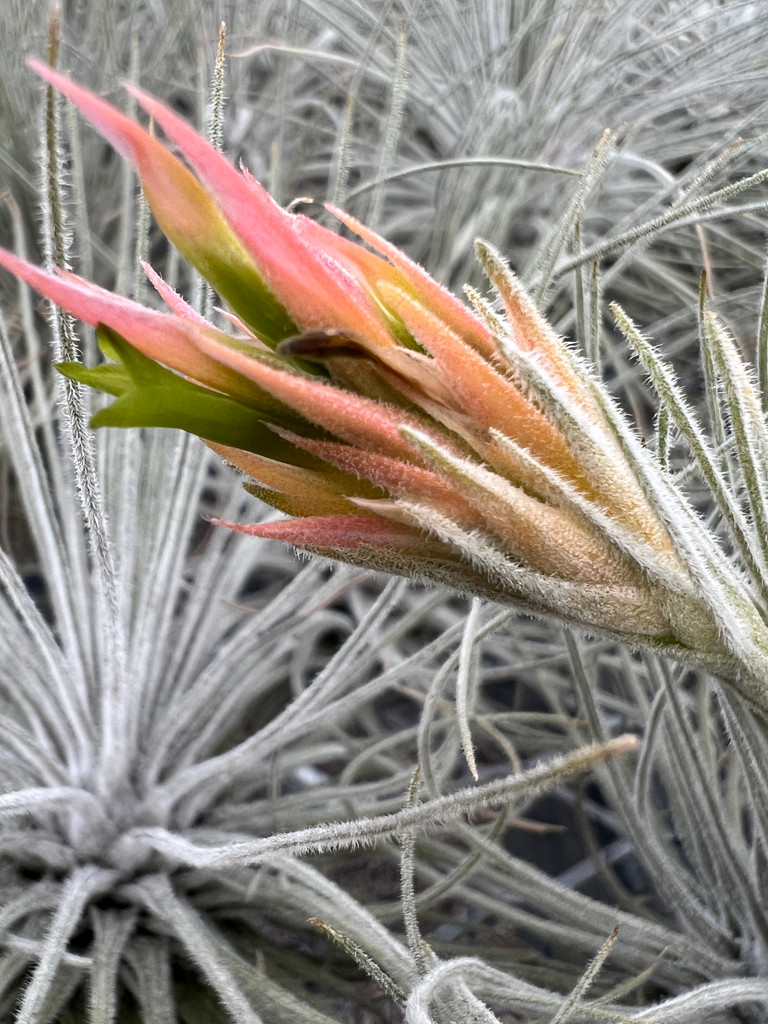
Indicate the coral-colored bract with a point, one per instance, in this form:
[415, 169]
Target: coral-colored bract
[401, 430]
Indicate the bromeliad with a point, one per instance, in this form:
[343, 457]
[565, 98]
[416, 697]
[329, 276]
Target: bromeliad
[396, 428]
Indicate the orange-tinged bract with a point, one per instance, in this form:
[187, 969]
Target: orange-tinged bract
[400, 430]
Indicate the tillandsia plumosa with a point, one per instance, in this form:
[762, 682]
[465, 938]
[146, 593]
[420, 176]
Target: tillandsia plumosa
[398, 428]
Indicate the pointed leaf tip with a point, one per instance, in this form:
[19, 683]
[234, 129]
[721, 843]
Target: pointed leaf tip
[334, 533]
[186, 213]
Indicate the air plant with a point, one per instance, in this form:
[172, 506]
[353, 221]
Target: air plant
[148, 728]
[159, 784]
[401, 430]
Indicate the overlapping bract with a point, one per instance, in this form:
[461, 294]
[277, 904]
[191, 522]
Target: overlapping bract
[398, 429]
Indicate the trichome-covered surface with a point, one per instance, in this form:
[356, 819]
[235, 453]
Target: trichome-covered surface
[187, 712]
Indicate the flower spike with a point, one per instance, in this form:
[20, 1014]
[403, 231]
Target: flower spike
[397, 429]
